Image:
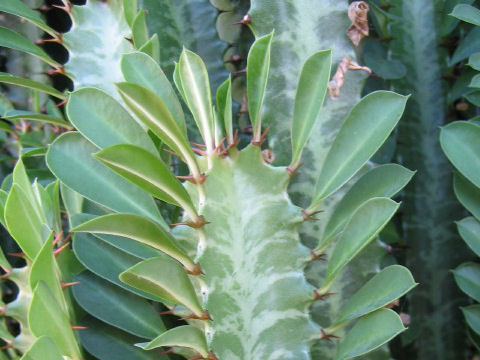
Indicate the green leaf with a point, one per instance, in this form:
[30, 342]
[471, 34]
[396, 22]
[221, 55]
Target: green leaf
[469, 45]
[467, 13]
[258, 65]
[460, 141]
[467, 276]
[224, 105]
[367, 221]
[139, 30]
[361, 135]
[130, 10]
[19, 8]
[197, 94]
[3, 261]
[474, 61]
[472, 315]
[147, 172]
[311, 91]
[13, 40]
[44, 268]
[34, 85]
[369, 333]
[46, 318]
[381, 181]
[89, 249]
[188, 336]
[70, 159]
[469, 229]
[137, 228]
[153, 112]
[468, 194]
[475, 83]
[141, 69]
[117, 307]
[103, 121]
[108, 343]
[43, 118]
[165, 278]
[152, 48]
[24, 225]
[43, 348]
[382, 289]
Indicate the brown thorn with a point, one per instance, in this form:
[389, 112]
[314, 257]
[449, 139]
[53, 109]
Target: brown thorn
[68, 284]
[310, 216]
[316, 256]
[57, 252]
[239, 72]
[199, 151]
[8, 346]
[59, 70]
[66, 8]
[169, 351]
[293, 171]
[57, 238]
[169, 312]
[205, 316]
[191, 179]
[57, 39]
[77, 327]
[219, 146]
[3, 310]
[7, 272]
[61, 103]
[262, 138]
[328, 337]
[197, 270]
[197, 224]
[199, 145]
[318, 296]
[130, 40]
[172, 152]
[19, 254]
[247, 19]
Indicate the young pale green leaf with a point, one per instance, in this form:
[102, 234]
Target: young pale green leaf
[197, 94]
[467, 13]
[164, 278]
[137, 228]
[467, 276]
[148, 172]
[460, 142]
[153, 112]
[152, 48]
[19, 8]
[472, 315]
[224, 105]
[43, 348]
[188, 336]
[311, 91]
[24, 225]
[43, 118]
[130, 10]
[367, 221]
[361, 135]
[3, 261]
[469, 229]
[34, 85]
[381, 181]
[139, 30]
[13, 40]
[369, 333]
[468, 194]
[117, 307]
[3, 202]
[103, 121]
[258, 67]
[139, 68]
[386, 286]
[45, 269]
[107, 343]
[70, 159]
[46, 318]
[178, 81]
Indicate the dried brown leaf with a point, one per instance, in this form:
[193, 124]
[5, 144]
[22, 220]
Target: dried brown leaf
[358, 12]
[338, 80]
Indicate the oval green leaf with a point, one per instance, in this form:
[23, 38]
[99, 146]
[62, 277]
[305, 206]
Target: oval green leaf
[467, 276]
[472, 315]
[43, 348]
[468, 194]
[469, 229]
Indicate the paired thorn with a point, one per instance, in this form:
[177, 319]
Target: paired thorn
[262, 138]
[247, 19]
[205, 316]
[57, 238]
[307, 216]
[316, 256]
[68, 284]
[56, 71]
[57, 39]
[328, 337]
[57, 252]
[196, 224]
[196, 271]
[318, 296]
[192, 179]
